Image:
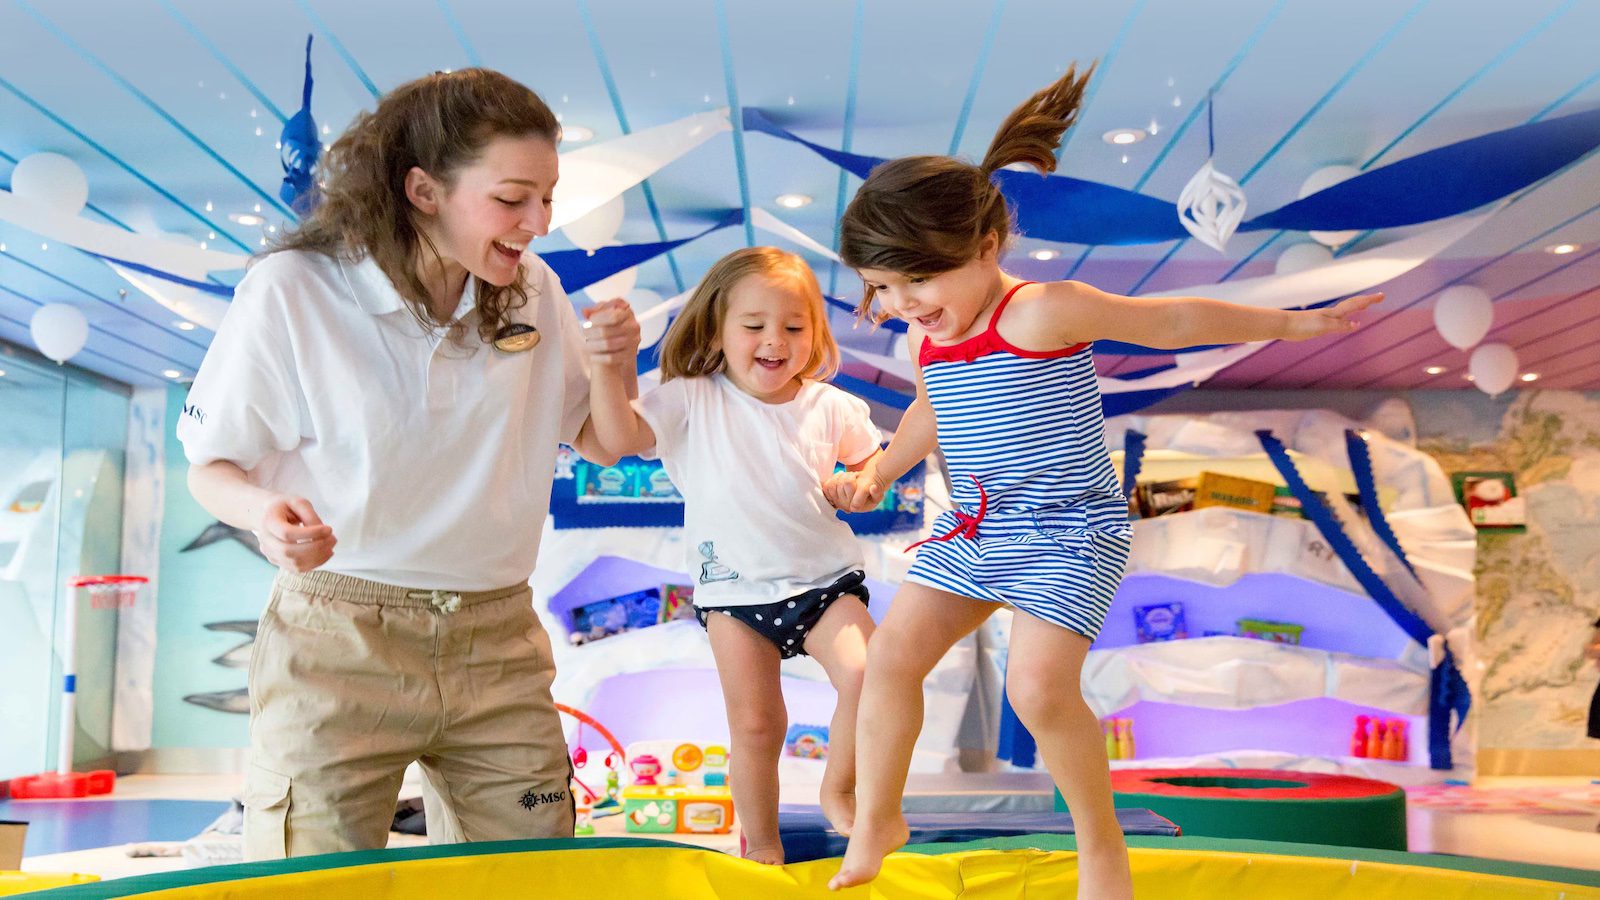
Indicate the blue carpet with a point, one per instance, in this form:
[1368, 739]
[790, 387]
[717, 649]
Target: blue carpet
[805, 833]
[59, 826]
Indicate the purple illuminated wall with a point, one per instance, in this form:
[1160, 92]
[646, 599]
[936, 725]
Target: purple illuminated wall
[1320, 727]
[686, 704]
[1334, 620]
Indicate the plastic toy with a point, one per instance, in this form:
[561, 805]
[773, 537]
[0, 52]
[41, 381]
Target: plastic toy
[806, 741]
[1276, 632]
[1358, 740]
[645, 769]
[615, 615]
[1160, 622]
[692, 798]
[677, 602]
[1119, 738]
[588, 803]
[1395, 745]
[1375, 739]
[105, 592]
[688, 757]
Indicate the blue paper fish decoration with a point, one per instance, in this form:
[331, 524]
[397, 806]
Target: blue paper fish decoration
[298, 150]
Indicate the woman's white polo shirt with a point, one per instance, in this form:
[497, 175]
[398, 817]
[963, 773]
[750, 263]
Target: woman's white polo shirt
[431, 459]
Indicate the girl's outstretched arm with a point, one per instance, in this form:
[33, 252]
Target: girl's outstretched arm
[1078, 312]
[912, 442]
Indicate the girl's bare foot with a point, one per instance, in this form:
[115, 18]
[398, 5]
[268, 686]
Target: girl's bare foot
[768, 855]
[839, 807]
[1103, 874]
[869, 844]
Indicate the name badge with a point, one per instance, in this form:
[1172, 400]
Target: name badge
[516, 338]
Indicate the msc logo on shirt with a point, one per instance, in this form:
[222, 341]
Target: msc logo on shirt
[194, 412]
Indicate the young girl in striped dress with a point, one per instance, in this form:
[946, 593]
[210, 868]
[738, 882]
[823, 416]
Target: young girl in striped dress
[1006, 384]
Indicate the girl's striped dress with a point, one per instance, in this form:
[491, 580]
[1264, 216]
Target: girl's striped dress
[1041, 522]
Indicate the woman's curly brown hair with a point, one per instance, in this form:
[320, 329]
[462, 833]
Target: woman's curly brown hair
[439, 123]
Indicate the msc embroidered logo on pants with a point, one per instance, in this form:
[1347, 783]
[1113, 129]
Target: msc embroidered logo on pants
[532, 799]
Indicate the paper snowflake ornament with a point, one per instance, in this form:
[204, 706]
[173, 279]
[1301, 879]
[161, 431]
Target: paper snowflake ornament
[1211, 207]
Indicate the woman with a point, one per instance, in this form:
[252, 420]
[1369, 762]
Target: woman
[382, 405]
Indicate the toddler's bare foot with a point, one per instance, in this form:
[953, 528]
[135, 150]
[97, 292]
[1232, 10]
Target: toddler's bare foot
[767, 855]
[839, 807]
[869, 844]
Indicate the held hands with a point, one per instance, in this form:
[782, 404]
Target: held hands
[292, 535]
[1335, 319]
[853, 492]
[611, 333]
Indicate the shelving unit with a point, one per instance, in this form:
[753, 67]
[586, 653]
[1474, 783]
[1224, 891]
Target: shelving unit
[1218, 700]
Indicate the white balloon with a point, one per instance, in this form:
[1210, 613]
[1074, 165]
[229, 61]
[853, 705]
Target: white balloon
[51, 179]
[1493, 368]
[1300, 257]
[651, 328]
[1321, 179]
[613, 286]
[59, 330]
[1463, 314]
[597, 228]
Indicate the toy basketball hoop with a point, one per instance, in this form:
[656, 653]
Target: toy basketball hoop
[110, 591]
[105, 592]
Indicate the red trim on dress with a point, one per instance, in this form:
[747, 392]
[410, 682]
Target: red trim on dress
[989, 341]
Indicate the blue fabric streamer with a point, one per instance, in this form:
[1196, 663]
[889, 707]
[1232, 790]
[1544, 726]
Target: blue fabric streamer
[874, 392]
[1367, 487]
[1444, 182]
[579, 268]
[1016, 743]
[1132, 460]
[216, 290]
[1447, 689]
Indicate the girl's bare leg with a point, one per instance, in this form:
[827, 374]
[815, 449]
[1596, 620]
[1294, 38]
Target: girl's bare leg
[921, 625]
[839, 643]
[1042, 682]
[747, 665]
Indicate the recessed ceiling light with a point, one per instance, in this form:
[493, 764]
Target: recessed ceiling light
[792, 201]
[171, 373]
[1530, 376]
[246, 218]
[575, 134]
[1043, 254]
[184, 326]
[1125, 136]
[2, 373]
[1434, 370]
[1562, 249]
[1470, 377]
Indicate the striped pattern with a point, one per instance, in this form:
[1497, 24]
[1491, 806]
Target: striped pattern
[1055, 539]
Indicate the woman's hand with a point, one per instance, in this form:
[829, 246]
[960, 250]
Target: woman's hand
[292, 535]
[611, 334]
